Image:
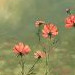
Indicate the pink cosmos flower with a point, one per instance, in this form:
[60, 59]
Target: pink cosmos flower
[49, 30]
[70, 21]
[21, 49]
[39, 54]
[39, 23]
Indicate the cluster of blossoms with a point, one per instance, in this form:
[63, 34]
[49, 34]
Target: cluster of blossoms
[49, 31]
[21, 49]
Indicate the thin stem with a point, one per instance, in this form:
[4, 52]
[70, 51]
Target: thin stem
[22, 65]
[46, 64]
[47, 60]
[32, 66]
[50, 48]
[39, 34]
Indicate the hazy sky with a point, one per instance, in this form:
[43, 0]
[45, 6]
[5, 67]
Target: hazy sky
[16, 15]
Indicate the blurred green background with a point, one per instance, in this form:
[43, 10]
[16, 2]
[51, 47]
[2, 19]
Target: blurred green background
[17, 18]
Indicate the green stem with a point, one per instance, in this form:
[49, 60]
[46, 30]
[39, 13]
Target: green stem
[22, 65]
[32, 66]
[46, 65]
[47, 60]
[39, 34]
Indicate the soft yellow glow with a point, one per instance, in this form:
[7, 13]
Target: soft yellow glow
[2, 3]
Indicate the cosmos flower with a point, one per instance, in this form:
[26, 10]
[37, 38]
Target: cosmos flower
[70, 21]
[39, 23]
[21, 49]
[49, 30]
[39, 54]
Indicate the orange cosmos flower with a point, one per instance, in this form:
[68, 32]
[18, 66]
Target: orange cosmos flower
[39, 54]
[50, 30]
[21, 49]
[39, 23]
[70, 21]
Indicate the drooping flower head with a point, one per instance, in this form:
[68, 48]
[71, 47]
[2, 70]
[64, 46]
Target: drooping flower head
[39, 54]
[39, 23]
[21, 49]
[49, 30]
[70, 21]
[68, 11]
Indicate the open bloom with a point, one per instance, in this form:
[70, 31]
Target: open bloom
[70, 21]
[39, 23]
[21, 49]
[39, 54]
[49, 30]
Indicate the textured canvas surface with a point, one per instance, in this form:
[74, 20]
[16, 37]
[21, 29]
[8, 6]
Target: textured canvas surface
[17, 18]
